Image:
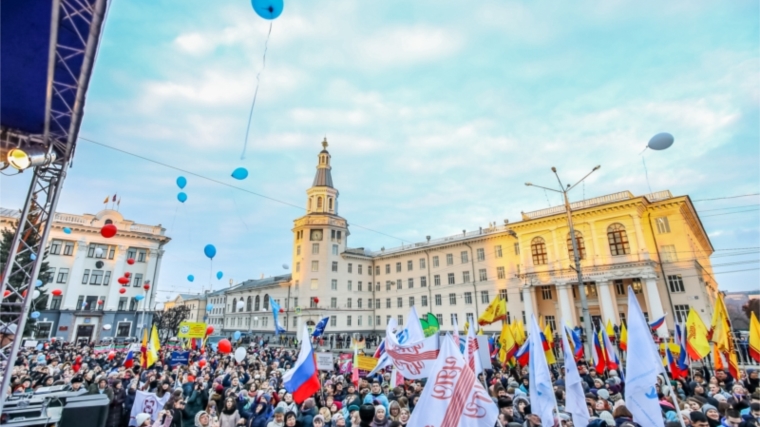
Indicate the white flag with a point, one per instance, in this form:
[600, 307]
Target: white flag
[456, 330]
[148, 403]
[641, 371]
[472, 356]
[542, 400]
[453, 396]
[575, 399]
[413, 359]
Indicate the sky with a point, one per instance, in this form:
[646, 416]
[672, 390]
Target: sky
[436, 113]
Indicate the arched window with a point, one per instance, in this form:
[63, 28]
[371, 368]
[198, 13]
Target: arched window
[618, 240]
[330, 204]
[319, 202]
[234, 304]
[108, 221]
[579, 243]
[538, 250]
[256, 303]
[248, 303]
[266, 301]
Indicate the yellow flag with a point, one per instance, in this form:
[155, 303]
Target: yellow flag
[520, 336]
[721, 336]
[697, 345]
[754, 337]
[495, 311]
[623, 337]
[155, 343]
[106, 200]
[549, 334]
[610, 329]
[507, 343]
[549, 353]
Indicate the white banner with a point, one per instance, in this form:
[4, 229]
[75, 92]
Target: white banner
[148, 403]
[324, 361]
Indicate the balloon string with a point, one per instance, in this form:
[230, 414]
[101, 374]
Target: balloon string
[646, 173]
[171, 228]
[256, 92]
[238, 212]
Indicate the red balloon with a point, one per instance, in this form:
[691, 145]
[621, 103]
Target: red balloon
[23, 294]
[316, 300]
[122, 291]
[146, 286]
[127, 274]
[56, 292]
[202, 363]
[6, 293]
[100, 302]
[78, 360]
[282, 310]
[224, 346]
[108, 231]
[111, 355]
[123, 280]
[131, 261]
[209, 330]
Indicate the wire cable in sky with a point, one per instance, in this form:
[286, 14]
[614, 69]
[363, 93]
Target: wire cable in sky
[727, 197]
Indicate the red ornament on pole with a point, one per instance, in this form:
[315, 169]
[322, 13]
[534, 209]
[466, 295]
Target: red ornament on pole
[316, 300]
[146, 286]
[131, 261]
[123, 280]
[127, 274]
[282, 310]
[108, 231]
[122, 291]
[56, 292]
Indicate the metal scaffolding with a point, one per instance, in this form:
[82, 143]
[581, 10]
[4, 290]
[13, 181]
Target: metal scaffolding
[64, 101]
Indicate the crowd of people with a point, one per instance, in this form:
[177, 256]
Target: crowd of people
[213, 390]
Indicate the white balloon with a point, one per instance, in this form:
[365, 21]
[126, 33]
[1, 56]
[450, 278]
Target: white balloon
[36, 294]
[107, 327]
[98, 251]
[661, 141]
[240, 354]
[240, 305]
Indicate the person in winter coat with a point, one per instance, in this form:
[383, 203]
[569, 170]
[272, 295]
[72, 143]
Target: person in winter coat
[261, 411]
[308, 412]
[194, 404]
[117, 405]
[279, 418]
[203, 419]
[217, 396]
[381, 417]
[230, 416]
[376, 394]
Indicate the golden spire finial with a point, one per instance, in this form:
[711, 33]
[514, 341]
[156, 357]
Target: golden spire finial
[324, 143]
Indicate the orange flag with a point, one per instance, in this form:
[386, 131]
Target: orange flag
[754, 337]
[721, 336]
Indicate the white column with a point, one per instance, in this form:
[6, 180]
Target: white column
[527, 302]
[566, 304]
[655, 304]
[112, 301]
[74, 287]
[605, 302]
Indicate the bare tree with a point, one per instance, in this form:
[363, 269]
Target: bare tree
[167, 322]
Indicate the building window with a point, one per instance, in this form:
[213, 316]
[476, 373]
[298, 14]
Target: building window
[466, 276]
[63, 275]
[399, 302]
[387, 319]
[131, 253]
[68, 248]
[107, 278]
[618, 240]
[484, 297]
[369, 302]
[452, 299]
[55, 303]
[315, 266]
[400, 319]
[497, 251]
[335, 249]
[675, 283]
[435, 261]
[423, 300]
[377, 270]
[451, 278]
[517, 249]
[465, 257]
[437, 280]
[387, 303]
[348, 320]
[551, 322]
[377, 302]
[500, 273]
[333, 302]
[358, 320]
[359, 286]
[591, 290]
[377, 320]
[388, 285]
[437, 299]
[111, 252]
[468, 298]
[668, 253]
[398, 267]
[350, 285]
[410, 282]
[122, 304]
[132, 304]
[546, 292]
[334, 284]
[636, 285]
[298, 250]
[481, 254]
[538, 250]
[579, 244]
[411, 301]
[369, 320]
[55, 247]
[349, 303]
[123, 329]
[619, 288]
[298, 267]
[314, 284]
[86, 276]
[482, 274]
[440, 318]
[398, 284]
[359, 269]
[409, 265]
[315, 248]
[503, 295]
[141, 255]
[423, 282]
[422, 263]
[96, 278]
[387, 269]
[449, 259]
[335, 266]
[350, 267]
[358, 303]
[137, 282]
[663, 226]
[682, 312]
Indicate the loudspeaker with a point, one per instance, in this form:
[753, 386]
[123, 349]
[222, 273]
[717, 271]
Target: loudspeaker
[89, 410]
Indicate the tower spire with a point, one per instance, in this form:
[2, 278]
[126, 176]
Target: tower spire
[323, 178]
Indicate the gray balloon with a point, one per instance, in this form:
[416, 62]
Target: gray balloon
[661, 141]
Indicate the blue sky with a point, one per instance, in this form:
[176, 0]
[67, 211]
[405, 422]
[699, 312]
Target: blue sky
[436, 114]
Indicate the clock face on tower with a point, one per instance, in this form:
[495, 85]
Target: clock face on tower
[316, 235]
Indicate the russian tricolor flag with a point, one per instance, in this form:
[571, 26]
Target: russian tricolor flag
[303, 380]
[523, 354]
[129, 361]
[657, 323]
[380, 350]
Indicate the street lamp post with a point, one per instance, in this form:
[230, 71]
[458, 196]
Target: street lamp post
[581, 286]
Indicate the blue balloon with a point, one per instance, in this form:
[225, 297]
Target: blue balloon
[236, 335]
[139, 298]
[210, 251]
[33, 256]
[209, 307]
[38, 283]
[240, 173]
[181, 182]
[35, 314]
[219, 274]
[267, 9]
[182, 197]
[67, 230]
[190, 278]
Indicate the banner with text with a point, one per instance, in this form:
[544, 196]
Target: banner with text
[192, 330]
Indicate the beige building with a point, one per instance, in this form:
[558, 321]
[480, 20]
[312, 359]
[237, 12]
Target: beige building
[654, 243]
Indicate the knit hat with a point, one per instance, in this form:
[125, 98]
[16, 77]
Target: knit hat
[352, 408]
[279, 410]
[318, 418]
[706, 407]
[607, 417]
[218, 388]
[603, 394]
[141, 418]
[309, 403]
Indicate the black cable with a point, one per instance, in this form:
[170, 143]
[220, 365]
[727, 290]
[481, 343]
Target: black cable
[727, 197]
